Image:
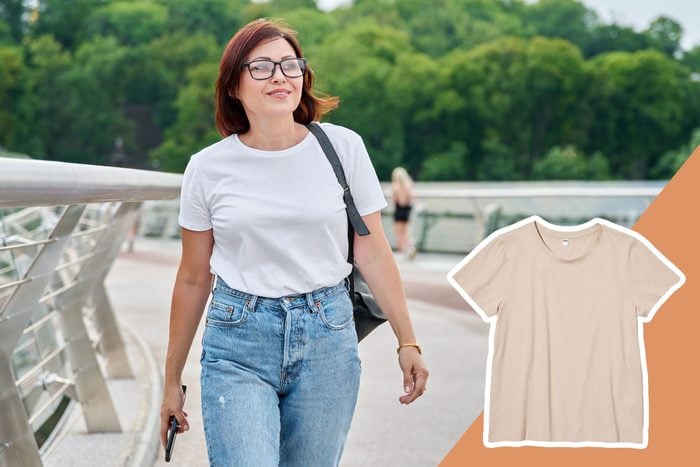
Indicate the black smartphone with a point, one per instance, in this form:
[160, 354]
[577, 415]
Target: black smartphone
[172, 432]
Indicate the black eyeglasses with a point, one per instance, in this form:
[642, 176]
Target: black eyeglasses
[264, 69]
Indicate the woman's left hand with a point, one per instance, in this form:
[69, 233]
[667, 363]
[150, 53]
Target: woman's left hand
[415, 374]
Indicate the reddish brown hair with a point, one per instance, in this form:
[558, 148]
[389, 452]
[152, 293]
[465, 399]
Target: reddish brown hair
[230, 115]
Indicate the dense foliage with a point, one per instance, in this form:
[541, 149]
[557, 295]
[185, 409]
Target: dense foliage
[450, 89]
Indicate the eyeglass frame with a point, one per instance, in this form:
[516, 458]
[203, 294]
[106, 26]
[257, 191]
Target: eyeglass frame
[274, 67]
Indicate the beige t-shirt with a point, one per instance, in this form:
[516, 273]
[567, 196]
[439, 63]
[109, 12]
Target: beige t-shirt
[565, 356]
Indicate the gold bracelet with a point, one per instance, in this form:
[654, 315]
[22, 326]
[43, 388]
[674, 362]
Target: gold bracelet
[413, 344]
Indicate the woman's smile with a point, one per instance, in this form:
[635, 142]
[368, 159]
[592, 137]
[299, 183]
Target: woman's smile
[280, 93]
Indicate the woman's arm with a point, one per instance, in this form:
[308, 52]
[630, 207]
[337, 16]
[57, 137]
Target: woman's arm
[190, 294]
[376, 263]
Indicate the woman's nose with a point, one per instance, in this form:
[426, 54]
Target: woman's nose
[277, 74]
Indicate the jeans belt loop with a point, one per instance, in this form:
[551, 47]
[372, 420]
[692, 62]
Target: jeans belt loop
[310, 301]
[250, 303]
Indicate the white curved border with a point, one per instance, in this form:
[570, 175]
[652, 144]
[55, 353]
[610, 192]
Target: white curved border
[494, 319]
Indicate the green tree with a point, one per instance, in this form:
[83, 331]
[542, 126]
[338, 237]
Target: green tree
[442, 25]
[672, 160]
[568, 163]
[194, 128]
[451, 89]
[615, 37]
[446, 166]
[451, 24]
[691, 59]
[411, 87]
[312, 26]
[521, 95]
[130, 22]
[48, 93]
[638, 108]
[94, 103]
[282, 5]
[568, 19]
[219, 18]
[5, 34]
[274, 9]
[383, 12]
[158, 71]
[63, 19]
[11, 12]
[497, 161]
[665, 34]
[12, 94]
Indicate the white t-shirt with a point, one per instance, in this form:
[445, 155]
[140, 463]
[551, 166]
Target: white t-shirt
[279, 220]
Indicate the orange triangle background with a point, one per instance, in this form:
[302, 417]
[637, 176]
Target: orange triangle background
[672, 339]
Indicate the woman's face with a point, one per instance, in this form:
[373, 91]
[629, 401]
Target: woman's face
[275, 96]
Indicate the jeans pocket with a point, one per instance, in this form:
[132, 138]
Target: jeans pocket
[336, 311]
[226, 311]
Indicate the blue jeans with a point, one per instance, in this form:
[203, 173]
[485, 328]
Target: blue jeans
[279, 378]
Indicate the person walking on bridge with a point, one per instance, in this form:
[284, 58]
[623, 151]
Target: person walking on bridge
[402, 195]
[264, 224]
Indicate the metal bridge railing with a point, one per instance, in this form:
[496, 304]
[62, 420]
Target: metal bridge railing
[61, 227]
[454, 217]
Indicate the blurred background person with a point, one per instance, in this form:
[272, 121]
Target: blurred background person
[402, 196]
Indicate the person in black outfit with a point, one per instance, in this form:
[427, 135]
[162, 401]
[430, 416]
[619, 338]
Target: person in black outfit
[402, 195]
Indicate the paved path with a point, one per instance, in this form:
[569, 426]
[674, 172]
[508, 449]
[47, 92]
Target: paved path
[383, 432]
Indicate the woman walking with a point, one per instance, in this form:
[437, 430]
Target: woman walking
[402, 195]
[264, 224]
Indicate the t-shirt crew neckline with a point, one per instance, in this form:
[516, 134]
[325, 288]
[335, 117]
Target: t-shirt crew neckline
[277, 153]
[593, 227]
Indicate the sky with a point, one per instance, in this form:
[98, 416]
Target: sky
[635, 13]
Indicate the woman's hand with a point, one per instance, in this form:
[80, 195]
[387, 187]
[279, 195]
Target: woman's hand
[173, 402]
[415, 374]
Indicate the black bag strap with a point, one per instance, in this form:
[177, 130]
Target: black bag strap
[355, 222]
[354, 217]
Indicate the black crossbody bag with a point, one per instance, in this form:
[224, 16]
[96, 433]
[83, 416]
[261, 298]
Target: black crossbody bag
[366, 312]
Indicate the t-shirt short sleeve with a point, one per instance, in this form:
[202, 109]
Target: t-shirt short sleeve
[363, 181]
[481, 276]
[194, 213]
[651, 276]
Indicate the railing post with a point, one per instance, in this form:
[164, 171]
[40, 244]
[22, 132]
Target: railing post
[89, 383]
[90, 386]
[111, 344]
[17, 443]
